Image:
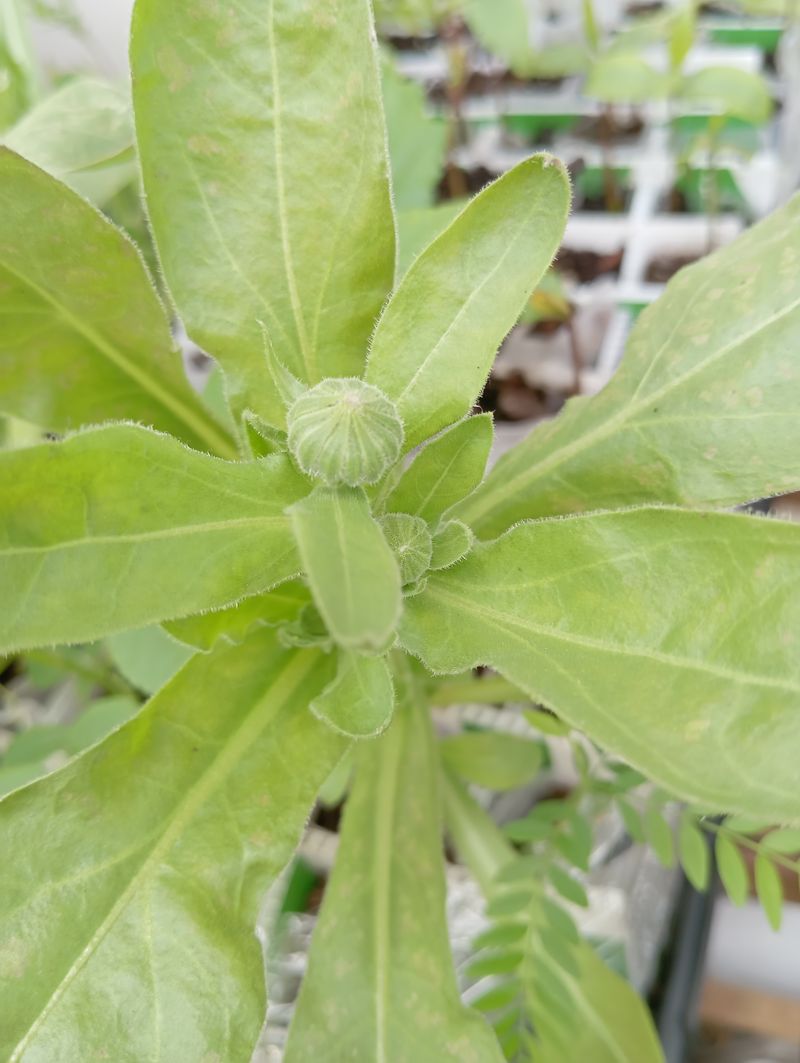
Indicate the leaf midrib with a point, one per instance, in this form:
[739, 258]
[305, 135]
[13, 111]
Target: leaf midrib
[266, 708]
[483, 502]
[203, 428]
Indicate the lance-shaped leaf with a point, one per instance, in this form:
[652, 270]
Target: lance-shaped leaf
[152, 855]
[85, 338]
[703, 409]
[438, 336]
[119, 527]
[204, 630]
[267, 181]
[359, 701]
[445, 471]
[666, 635]
[349, 565]
[82, 134]
[380, 971]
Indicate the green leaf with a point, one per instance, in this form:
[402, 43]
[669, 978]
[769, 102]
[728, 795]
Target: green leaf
[569, 888]
[492, 759]
[783, 840]
[658, 833]
[476, 837]
[546, 722]
[497, 936]
[621, 77]
[730, 92]
[410, 542]
[417, 140]
[360, 700]
[496, 963]
[85, 336]
[503, 27]
[147, 658]
[497, 997]
[351, 569]
[19, 71]
[452, 542]
[769, 890]
[438, 335]
[380, 968]
[136, 528]
[420, 227]
[234, 623]
[632, 820]
[617, 621]
[703, 409]
[149, 880]
[274, 173]
[694, 853]
[82, 134]
[732, 869]
[448, 469]
[509, 902]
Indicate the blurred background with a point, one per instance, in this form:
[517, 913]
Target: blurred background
[680, 124]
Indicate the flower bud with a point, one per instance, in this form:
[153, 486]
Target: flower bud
[344, 431]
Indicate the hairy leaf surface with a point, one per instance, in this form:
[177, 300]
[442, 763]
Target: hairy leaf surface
[120, 527]
[438, 336]
[350, 567]
[666, 635]
[445, 471]
[703, 409]
[85, 338]
[128, 929]
[359, 701]
[204, 630]
[380, 982]
[267, 181]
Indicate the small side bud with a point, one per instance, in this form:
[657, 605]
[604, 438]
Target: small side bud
[411, 544]
[344, 431]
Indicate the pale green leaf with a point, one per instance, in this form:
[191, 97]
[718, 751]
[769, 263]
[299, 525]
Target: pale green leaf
[169, 831]
[499, 935]
[655, 631]
[120, 527]
[732, 869]
[82, 134]
[417, 140]
[729, 92]
[769, 890]
[85, 338]
[147, 657]
[496, 963]
[658, 834]
[703, 409]
[694, 853]
[546, 722]
[410, 542]
[492, 759]
[439, 333]
[476, 837]
[359, 701]
[569, 887]
[632, 820]
[234, 623]
[380, 969]
[452, 542]
[504, 28]
[420, 227]
[20, 77]
[351, 569]
[783, 840]
[621, 77]
[448, 469]
[263, 150]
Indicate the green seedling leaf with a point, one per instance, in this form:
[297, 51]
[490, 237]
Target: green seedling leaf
[359, 701]
[569, 888]
[411, 544]
[546, 722]
[147, 658]
[508, 903]
[436, 339]
[82, 134]
[380, 960]
[701, 412]
[475, 835]
[503, 27]
[85, 338]
[420, 227]
[658, 834]
[560, 605]
[136, 529]
[732, 870]
[694, 853]
[500, 935]
[496, 963]
[166, 835]
[233, 624]
[272, 241]
[769, 890]
[417, 140]
[444, 472]
[783, 840]
[729, 92]
[632, 820]
[350, 567]
[621, 77]
[492, 759]
[451, 543]
[498, 997]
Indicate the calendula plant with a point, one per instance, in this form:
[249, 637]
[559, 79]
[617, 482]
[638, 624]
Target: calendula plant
[331, 546]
